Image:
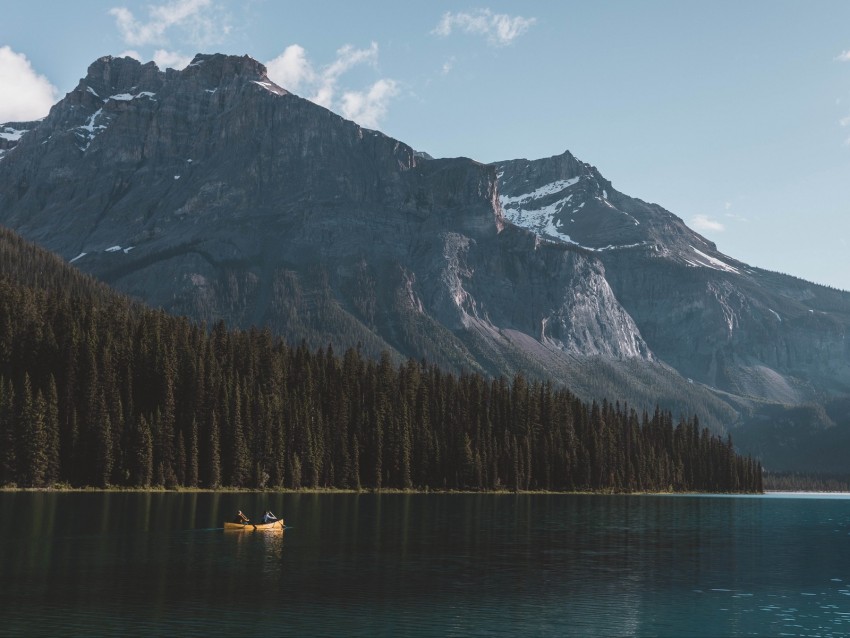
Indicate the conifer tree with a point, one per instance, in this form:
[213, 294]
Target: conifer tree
[192, 460]
[8, 436]
[33, 461]
[141, 465]
[51, 433]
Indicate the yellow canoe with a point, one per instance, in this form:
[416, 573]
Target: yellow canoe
[254, 527]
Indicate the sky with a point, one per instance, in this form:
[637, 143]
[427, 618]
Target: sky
[733, 115]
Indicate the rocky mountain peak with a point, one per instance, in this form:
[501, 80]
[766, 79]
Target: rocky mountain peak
[110, 76]
[516, 175]
[220, 65]
[211, 191]
[211, 72]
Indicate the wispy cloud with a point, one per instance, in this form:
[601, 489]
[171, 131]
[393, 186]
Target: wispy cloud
[24, 94]
[198, 23]
[171, 59]
[368, 108]
[448, 65]
[705, 223]
[162, 58]
[293, 70]
[346, 58]
[499, 29]
[844, 56]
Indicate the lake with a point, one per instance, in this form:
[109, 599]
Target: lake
[425, 564]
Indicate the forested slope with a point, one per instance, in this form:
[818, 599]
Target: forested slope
[98, 390]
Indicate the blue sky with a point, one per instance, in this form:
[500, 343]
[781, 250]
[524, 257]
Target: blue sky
[733, 115]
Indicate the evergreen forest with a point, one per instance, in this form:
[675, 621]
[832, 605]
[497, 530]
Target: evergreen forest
[97, 390]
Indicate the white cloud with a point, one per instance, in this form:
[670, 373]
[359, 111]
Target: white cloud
[369, 108]
[130, 53]
[448, 65]
[705, 223]
[346, 58]
[200, 23]
[844, 56]
[845, 121]
[500, 29]
[293, 70]
[171, 59]
[24, 94]
[162, 58]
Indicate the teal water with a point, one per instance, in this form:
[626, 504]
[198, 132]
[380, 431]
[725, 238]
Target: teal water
[425, 565]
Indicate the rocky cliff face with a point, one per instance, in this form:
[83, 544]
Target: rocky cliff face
[773, 346]
[216, 193]
[213, 191]
[716, 320]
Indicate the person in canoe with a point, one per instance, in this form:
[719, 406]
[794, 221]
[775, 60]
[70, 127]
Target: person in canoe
[241, 518]
[268, 517]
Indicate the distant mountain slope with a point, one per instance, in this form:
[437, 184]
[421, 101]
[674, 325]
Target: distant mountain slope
[716, 320]
[215, 193]
[97, 390]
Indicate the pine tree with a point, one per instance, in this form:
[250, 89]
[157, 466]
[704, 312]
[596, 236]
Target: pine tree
[141, 464]
[33, 459]
[8, 437]
[192, 460]
[102, 444]
[213, 464]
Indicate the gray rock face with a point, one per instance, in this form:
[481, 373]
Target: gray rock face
[215, 193]
[716, 320]
[11, 133]
[773, 346]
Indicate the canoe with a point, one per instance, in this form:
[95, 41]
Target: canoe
[254, 527]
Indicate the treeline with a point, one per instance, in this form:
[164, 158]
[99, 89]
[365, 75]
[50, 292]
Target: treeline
[96, 390]
[803, 482]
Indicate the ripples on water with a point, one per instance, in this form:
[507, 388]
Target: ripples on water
[420, 565]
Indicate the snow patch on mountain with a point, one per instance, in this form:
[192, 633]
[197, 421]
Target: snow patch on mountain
[12, 134]
[521, 211]
[126, 97]
[544, 191]
[524, 211]
[270, 87]
[540, 220]
[91, 129]
[711, 262]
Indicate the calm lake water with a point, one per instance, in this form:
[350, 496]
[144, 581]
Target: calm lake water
[420, 565]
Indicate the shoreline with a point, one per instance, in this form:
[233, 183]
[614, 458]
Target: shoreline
[389, 491]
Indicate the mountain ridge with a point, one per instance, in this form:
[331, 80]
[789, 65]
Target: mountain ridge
[241, 201]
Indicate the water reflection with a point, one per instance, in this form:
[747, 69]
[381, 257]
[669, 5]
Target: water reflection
[425, 564]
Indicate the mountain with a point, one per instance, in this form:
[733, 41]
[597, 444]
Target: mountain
[98, 390]
[215, 193]
[733, 327]
[772, 345]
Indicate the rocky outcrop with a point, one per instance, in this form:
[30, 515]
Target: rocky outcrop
[716, 320]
